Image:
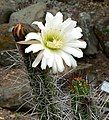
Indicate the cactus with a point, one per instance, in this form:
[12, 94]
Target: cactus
[44, 85]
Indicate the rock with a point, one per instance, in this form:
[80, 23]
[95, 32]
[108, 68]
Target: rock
[103, 34]
[98, 0]
[29, 14]
[6, 38]
[6, 9]
[10, 115]
[88, 34]
[9, 58]
[14, 88]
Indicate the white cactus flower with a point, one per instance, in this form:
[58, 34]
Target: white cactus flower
[57, 43]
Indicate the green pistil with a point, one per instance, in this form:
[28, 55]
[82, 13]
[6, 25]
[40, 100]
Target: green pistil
[53, 40]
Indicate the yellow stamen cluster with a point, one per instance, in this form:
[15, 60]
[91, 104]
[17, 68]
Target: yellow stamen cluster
[53, 39]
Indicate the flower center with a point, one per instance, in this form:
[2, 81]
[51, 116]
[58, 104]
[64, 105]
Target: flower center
[53, 39]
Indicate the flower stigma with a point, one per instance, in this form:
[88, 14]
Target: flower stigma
[53, 39]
